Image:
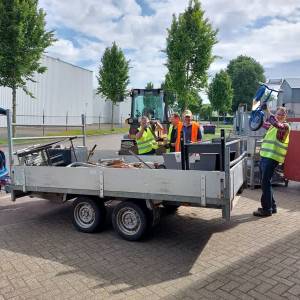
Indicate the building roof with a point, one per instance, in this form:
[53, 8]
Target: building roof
[294, 83]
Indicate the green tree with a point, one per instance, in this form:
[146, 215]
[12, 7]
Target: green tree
[220, 93]
[194, 102]
[149, 86]
[190, 42]
[113, 76]
[245, 73]
[206, 112]
[23, 40]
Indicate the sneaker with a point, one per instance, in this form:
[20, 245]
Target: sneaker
[262, 213]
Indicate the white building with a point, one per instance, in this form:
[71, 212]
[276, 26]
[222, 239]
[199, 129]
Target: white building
[102, 110]
[63, 90]
[62, 94]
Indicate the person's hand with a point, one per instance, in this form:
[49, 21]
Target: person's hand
[172, 144]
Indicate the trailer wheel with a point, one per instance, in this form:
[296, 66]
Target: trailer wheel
[88, 214]
[130, 220]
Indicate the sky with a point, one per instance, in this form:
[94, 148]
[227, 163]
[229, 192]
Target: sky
[267, 30]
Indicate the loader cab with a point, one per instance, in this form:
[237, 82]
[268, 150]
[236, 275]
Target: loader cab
[149, 103]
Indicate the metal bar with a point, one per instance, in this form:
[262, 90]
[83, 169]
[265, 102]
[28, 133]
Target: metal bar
[226, 212]
[43, 123]
[187, 158]
[83, 122]
[10, 141]
[232, 142]
[46, 137]
[222, 156]
[234, 162]
[182, 152]
[141, 160]
[50, 125]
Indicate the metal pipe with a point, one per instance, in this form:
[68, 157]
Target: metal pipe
[222, 156]
[232, 142]
[83, 122]
[10, 141]
[182, 152]
[49, 125]
[241, 157]
[47, 137]
[141, 160]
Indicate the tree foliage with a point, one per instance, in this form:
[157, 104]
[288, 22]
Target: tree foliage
[206, 112]
[113, 76]
[245, 73]
[189, 52]
[23, 40]
[220, 92]
[149, 86]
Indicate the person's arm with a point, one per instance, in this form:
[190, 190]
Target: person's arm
[140, 133]
[283, 128]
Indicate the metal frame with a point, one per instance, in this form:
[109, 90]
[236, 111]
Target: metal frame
[191, 187]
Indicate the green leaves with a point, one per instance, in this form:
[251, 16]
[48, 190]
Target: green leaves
[113, 76]
[220, 92]
[189, 50]
[245, 73]
[23, 39]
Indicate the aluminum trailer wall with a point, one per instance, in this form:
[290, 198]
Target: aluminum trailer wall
[63, 88]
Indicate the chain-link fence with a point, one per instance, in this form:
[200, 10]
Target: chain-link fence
[42, 125]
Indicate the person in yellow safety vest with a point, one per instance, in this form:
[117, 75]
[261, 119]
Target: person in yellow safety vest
[145, 138]
[174, 133]
[273, 152]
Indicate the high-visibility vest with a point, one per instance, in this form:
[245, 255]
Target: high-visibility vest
[195, 130]
[147, 142]
[177, 142]
[272, 148]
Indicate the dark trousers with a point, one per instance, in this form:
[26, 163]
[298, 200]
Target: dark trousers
[267, 168]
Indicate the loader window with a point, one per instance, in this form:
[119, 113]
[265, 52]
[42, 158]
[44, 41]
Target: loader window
[149, 105]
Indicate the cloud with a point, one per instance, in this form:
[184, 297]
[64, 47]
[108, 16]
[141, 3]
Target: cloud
[255, 28]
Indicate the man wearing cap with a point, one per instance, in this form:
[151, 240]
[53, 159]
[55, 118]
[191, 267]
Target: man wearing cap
[191, 130]
[273, 152]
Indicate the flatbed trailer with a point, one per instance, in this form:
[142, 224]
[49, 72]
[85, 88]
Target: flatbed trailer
[140, 192]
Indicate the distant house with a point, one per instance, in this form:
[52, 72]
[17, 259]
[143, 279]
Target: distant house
[290, 96]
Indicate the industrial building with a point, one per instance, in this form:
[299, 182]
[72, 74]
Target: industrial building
[290, 96]
[62, 94]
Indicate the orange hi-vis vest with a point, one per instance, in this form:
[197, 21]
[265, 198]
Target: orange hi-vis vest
[195, 129]
[177, 143]
[194, 135]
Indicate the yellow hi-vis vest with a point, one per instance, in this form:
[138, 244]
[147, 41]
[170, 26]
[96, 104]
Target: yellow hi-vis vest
[147, 142]
[272, 148]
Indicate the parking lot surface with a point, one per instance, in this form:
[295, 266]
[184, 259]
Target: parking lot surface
[193, 254]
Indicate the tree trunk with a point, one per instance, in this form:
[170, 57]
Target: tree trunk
[112, 115]
[14, 110]
[218, 119]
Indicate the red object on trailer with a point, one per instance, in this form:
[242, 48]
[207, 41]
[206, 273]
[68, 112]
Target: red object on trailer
[292, 160]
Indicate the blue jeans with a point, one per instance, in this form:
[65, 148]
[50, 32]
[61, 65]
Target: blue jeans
[267, 168]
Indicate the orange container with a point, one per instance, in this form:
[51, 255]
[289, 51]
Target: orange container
[292, 160]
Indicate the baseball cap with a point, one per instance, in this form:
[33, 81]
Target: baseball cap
[187, 113]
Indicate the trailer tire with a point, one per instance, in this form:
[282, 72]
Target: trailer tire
[130, 220]
[88, 214]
